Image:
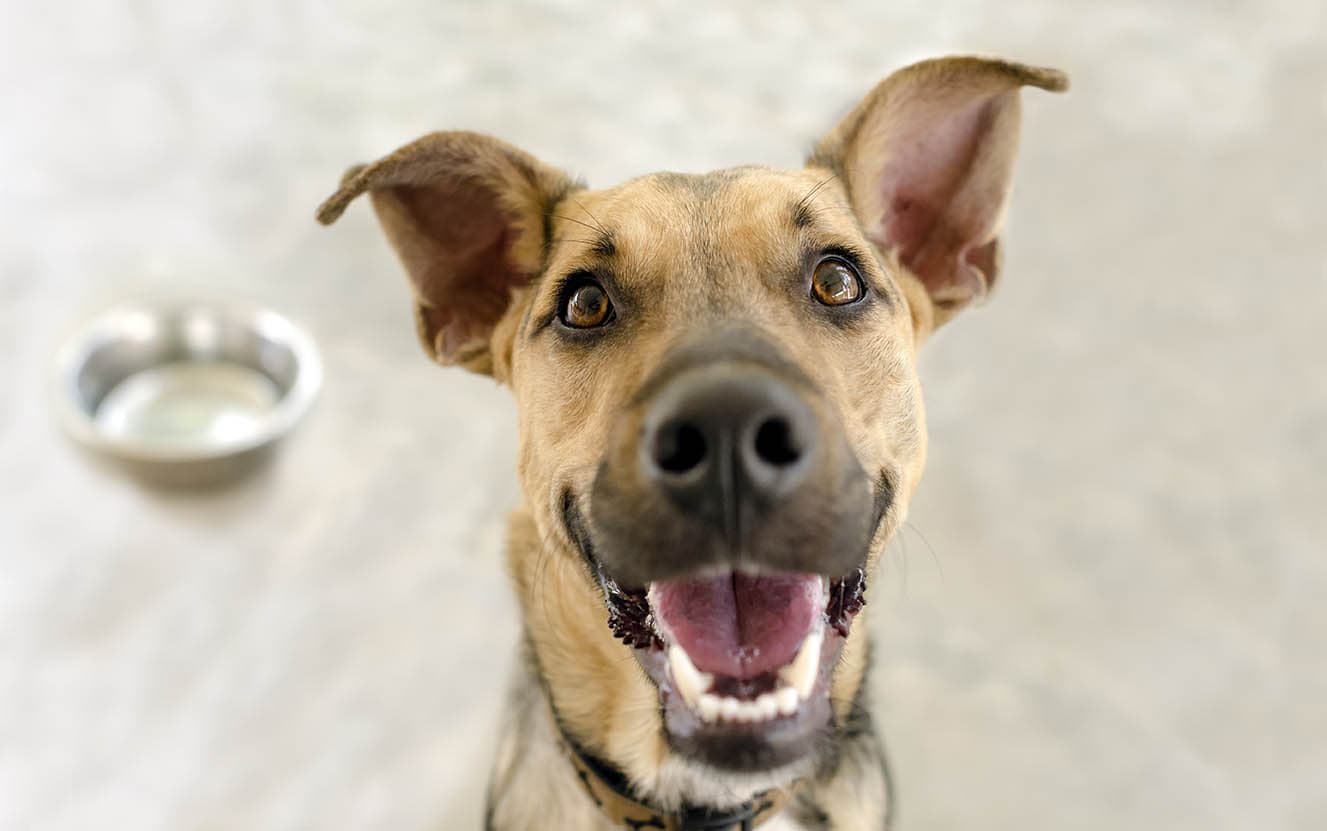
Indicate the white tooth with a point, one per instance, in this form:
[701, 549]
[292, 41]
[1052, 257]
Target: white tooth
[786, 698]
[729, 708]
[766, 707]
[708, 706]
[801, 673]
[690, 682]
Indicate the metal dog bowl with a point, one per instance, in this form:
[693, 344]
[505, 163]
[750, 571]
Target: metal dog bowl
[185, 394]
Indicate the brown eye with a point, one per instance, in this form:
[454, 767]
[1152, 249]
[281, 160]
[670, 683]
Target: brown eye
[835, 283]
[586, 306]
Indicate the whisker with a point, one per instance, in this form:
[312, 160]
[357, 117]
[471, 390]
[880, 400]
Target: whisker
[577, 221]
[592, 217]
[902, 566]
[934, 557]
[543, 564]
[805, 201]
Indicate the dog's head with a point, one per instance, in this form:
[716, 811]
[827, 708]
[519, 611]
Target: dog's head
[721, 422]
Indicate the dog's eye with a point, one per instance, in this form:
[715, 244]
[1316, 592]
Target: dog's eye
[835, 283]
[586, 305]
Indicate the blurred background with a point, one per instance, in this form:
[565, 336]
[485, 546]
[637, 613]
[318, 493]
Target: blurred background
[1107, 609]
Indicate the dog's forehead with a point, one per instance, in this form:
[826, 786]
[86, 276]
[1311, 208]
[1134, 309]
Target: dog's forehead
[735, 208]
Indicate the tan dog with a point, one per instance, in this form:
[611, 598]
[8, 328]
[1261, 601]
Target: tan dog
[721, 427]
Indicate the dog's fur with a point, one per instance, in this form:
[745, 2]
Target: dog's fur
[915, 178]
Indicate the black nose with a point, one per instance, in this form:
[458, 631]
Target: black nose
[727, 441]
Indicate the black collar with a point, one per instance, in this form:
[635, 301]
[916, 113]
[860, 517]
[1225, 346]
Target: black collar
[612, 793]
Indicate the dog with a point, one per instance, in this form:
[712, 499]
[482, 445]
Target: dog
[721, 426]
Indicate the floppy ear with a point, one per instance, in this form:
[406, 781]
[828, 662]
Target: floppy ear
[927, 158]
[466, 214]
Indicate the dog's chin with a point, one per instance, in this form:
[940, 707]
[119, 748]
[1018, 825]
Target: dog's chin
[743, 662]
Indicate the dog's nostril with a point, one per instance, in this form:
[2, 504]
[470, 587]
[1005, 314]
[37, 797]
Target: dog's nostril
[775, 443]
[679, 448]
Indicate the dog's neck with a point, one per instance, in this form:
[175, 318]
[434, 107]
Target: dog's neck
[617, 800]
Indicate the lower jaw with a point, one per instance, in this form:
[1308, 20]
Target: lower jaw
[745, 746]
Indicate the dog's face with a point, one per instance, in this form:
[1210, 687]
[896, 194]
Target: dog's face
[721, 423]
[720, 409]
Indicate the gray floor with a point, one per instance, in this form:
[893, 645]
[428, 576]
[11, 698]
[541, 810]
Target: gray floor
[1107, 612]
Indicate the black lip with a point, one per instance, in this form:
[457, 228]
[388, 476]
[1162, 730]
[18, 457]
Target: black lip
[752, 749]
[573, 522]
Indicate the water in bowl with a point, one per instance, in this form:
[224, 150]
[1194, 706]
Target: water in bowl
[200, 404]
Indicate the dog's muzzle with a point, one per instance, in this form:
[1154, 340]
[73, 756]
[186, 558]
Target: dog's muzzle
[730, 457]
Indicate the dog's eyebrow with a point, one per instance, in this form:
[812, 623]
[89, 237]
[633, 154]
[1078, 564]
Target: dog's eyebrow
[604, 246]
[802, 215]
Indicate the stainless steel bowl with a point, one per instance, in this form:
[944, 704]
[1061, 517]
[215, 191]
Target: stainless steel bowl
[186, 393]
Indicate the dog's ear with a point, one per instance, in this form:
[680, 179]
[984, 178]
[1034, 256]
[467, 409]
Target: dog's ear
[927, 159]
[466, 214]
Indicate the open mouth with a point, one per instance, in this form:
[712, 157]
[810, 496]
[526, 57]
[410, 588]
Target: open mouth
[742, 660]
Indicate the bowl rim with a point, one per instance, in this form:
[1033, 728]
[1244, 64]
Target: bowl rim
[96, 330]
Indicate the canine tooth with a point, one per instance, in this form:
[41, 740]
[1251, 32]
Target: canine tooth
[690, 682]
[708, 706]
[787, 700]
[801, 673]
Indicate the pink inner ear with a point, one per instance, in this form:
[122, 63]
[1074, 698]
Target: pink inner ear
[907, 221]
[460, 262]
[931, 215]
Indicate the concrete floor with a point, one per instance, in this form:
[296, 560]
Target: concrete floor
[1106, 612]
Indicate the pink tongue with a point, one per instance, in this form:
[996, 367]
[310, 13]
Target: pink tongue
[736, 624]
